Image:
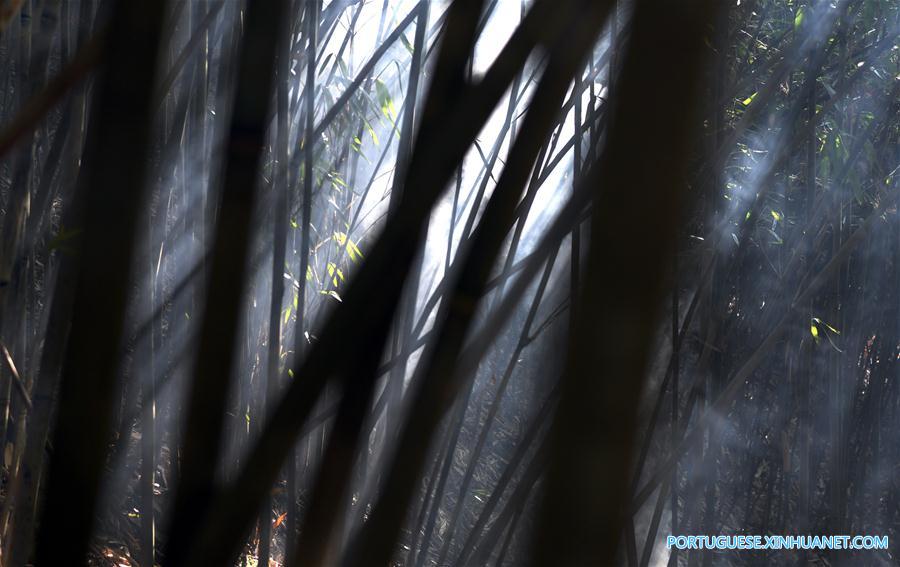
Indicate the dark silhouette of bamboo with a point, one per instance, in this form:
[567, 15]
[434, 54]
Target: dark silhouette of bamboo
[120, 136]
[592, 437]
[280, 185]
[311, 18]
[402, 329]
[147, 380]
[434, 381]
[206, 400]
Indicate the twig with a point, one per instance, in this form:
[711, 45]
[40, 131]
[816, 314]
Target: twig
[20, 386]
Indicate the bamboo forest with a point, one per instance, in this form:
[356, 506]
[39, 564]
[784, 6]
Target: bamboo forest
[449, 283]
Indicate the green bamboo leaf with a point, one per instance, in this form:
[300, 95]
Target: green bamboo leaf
[798, 19]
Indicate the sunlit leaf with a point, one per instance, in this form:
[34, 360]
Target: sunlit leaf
[384, 100]
[826, 325]
[352, 249]
[407, 44]
[799, 17]
[371, 132]
[333, 294]
[333, 269]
